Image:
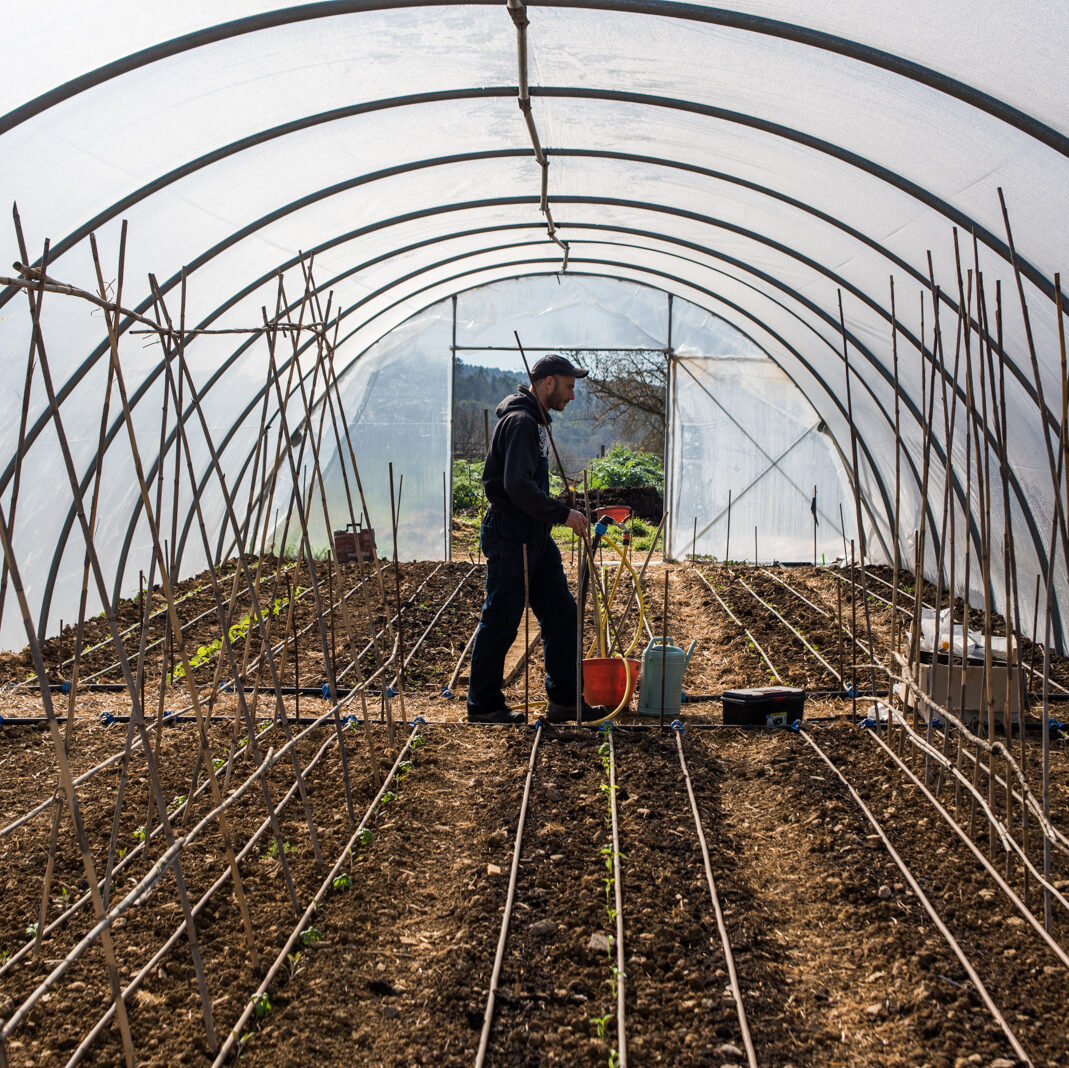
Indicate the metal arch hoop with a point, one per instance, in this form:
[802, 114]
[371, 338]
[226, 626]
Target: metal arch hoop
[296, 205]
[227, 364]
[843, 46]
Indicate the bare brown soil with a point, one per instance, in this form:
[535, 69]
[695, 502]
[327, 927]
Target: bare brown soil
[838, 962]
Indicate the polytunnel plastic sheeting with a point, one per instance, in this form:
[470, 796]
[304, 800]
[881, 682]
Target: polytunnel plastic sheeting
[738, 426]
[637, 317]
[754, 159]
[398, 403]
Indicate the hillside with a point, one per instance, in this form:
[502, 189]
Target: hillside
[578, 433]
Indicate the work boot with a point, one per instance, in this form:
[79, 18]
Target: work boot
[557, 713]
[497, 715]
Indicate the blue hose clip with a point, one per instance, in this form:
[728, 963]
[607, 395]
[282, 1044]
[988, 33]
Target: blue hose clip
[849, 690]
[350, 721]
[448, 694]
[540, 722]
[678, 725]
[107, 718]
[868, 723]
[1, 720]
[418, 721]
[326, 691]
[795, 726]
[601, 528]
[227, 687]
[606, 726]
[64, 687]
[682, 697]
[390, 692]
[1054, 726]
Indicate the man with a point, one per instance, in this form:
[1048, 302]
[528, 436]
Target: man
[516, 482]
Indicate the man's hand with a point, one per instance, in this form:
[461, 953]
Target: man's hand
[577, 521]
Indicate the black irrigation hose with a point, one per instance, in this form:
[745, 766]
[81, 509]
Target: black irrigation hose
[928, 906]
[235, 1031]
[621, 975]
[971, 845]
[725, 940]
[488, 1015]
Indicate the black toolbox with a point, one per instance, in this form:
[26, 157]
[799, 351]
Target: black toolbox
[771, 705]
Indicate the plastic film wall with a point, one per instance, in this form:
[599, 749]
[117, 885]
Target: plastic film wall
[758, 161]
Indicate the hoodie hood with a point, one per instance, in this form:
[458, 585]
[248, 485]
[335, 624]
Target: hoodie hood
[522, 400]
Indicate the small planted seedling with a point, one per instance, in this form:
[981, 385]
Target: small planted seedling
[365, 836]
[287, 849]
[261, 1006]
[293, 963]
[310, 937]
[139, 834]
[30, 932]
[388, 797]
[177, 802]
[218, 762]
[418, 741]
[343, 882]
[599, 1023]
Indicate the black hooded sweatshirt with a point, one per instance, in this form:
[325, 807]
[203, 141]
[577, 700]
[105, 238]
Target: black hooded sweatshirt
[516, 474]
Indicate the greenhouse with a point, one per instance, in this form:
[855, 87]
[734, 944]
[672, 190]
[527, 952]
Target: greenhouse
[270, 271]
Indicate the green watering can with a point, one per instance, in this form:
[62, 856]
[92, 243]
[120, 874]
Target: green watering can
[663, 651]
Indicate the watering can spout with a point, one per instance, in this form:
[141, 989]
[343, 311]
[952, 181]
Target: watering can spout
[690, 653]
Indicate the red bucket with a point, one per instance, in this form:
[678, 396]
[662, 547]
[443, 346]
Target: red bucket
[610, 680]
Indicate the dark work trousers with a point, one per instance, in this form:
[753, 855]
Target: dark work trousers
[503, 538]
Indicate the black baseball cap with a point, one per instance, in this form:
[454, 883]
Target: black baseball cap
[556, 365]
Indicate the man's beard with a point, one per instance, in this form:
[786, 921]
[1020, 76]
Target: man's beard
[558, 399]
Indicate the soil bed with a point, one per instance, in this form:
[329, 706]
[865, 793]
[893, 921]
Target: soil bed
[838, 962]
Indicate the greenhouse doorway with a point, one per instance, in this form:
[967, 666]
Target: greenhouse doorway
[611, 438]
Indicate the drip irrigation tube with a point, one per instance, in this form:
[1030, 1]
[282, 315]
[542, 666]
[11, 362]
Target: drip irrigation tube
[735, 619]
[158, 956]
[928, 907]
[721, 925]
[488, 1015]
[1055, 948]
[621, 976]
[239, 1026]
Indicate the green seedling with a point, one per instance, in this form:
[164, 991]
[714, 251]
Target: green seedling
[343, 882]
[177, 801]
[287, 849]
[261, 1006]
[388, 797]
[365, 836]
[418, 741]
[218, 762]
[599, 1023]
[310, 936]
[5, 956]
[614, 1059]
[30, 932]
[293, 963]
[139, 834]
[123, 850]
